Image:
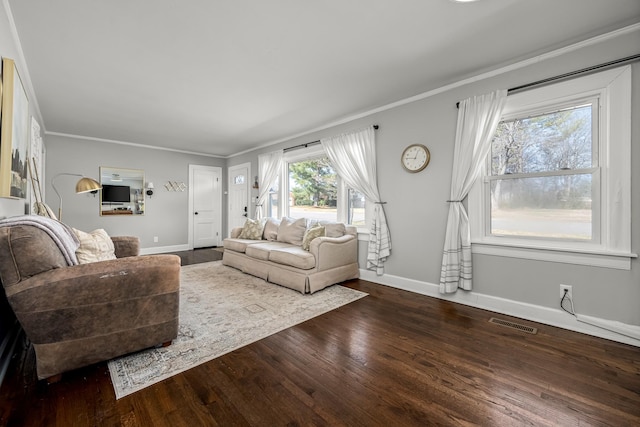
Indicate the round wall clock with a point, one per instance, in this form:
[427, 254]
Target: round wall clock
[415, 158]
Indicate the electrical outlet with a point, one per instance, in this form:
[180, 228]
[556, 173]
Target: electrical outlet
[155, 239]
[569, 290]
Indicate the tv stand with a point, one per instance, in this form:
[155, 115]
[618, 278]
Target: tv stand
[118, 212]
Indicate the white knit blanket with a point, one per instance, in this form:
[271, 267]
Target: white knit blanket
[61, 233]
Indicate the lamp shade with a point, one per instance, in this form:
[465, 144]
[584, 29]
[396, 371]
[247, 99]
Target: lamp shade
[85, 185]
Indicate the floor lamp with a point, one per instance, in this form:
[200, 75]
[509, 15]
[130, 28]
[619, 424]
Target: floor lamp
[84, 185]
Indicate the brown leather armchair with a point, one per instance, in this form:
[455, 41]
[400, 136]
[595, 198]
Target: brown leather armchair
[83, 314]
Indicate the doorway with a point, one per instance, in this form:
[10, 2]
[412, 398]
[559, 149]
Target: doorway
[239, 179]
[205, 206]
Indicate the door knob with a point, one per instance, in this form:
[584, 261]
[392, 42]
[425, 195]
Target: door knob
[195, 213]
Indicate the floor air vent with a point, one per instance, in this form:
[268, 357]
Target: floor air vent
[506, 323]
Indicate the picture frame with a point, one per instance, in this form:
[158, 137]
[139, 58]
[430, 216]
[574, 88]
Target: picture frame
[14, 134]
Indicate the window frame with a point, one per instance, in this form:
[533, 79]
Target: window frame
[612, 88]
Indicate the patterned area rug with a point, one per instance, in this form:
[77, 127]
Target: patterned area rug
[222, 309]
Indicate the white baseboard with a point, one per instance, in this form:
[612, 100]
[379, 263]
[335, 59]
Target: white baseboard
[602, 328]
[163, 249]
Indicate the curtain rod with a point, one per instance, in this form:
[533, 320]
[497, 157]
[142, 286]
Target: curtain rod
[583, 71]
[312, 143]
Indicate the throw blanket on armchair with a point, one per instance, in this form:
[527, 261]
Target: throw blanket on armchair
[61, 233]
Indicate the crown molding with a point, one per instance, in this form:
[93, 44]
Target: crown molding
[132, 144]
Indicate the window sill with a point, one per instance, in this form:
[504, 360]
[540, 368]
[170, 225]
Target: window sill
[363, 234]
[590, 257]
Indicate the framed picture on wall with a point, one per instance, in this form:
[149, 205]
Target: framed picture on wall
[14, 133]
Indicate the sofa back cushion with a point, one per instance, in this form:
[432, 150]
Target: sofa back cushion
[292, 230]
[334, 229]
[26, 251]
[271, 229]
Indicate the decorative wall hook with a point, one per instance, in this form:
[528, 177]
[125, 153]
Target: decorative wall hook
[175, 186]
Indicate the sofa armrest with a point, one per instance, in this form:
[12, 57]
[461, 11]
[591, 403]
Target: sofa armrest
[333, 252]
[97, 298]
[235, 232]
[126, 246]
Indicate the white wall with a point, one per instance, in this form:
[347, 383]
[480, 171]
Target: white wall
[417, 209]
[166, 213]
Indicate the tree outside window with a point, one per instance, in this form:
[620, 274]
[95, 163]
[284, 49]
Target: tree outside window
[316, 192]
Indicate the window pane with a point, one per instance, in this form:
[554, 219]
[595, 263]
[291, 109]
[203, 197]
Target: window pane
[313, 190]
[554, 141]
[551, 207]
[357, 206]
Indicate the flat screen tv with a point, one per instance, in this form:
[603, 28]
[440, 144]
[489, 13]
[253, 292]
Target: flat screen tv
[116, 193]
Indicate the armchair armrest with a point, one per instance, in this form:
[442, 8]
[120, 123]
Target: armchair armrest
[126, 246]
[333, 252]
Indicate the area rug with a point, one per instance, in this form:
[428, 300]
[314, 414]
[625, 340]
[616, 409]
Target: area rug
[221, 310]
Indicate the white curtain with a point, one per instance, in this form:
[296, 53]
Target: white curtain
[353, 156]
[478, 119]
[269, 168]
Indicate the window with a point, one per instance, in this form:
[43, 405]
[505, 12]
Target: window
[543, 175]
[315, 191]
[556, 184]
[356, 211]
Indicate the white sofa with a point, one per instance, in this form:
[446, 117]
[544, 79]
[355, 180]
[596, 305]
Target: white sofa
[279, 255]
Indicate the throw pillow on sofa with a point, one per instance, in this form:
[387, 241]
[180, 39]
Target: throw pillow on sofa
[252, 229]
[310, 235]
[292, 230]
[271, 229]
[94, 246]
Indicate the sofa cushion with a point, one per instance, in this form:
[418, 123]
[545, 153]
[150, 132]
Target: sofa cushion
[294, 256]
[261, 250]
[238, 245]
[310, 234]
[271, 229]
[94, 246]
[252, 229]
[292, 230]
[334, 229]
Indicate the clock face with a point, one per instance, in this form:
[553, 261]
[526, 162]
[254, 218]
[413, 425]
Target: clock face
[415, 157]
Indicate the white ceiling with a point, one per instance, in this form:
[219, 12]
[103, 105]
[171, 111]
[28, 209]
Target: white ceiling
[220, 77]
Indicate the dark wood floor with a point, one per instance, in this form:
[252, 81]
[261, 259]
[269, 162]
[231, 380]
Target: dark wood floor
[391, 359]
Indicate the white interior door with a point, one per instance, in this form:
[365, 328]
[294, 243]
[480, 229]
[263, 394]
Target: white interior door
[238, 195]
[206, 205]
